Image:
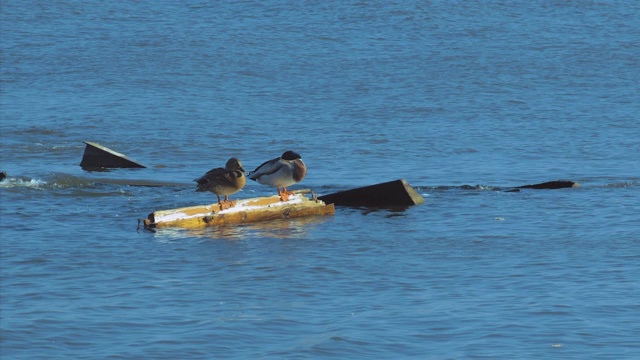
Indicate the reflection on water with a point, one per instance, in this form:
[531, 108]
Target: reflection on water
[390, 211]
[280, 229]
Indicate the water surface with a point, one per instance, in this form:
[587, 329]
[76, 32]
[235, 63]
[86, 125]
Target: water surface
[463, 100]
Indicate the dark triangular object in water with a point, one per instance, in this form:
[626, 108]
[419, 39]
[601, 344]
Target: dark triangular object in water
[558, 184]
[98, 157]
[392, 193]
[3, 175]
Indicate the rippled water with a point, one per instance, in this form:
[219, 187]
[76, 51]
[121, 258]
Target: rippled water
[464, 100]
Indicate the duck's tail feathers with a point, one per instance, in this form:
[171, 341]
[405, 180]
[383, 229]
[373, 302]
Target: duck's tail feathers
[202, 184]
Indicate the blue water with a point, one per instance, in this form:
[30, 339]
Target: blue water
[464, 100]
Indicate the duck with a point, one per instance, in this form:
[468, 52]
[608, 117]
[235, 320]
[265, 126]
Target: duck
[223, 181]
[281, 172]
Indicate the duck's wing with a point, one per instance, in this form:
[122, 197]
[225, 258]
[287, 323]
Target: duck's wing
[267, 168]
[211, 175]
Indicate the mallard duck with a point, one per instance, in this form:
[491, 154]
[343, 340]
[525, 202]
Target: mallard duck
[280, 172]
[223, 181]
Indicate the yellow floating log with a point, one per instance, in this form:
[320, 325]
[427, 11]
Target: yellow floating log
[245, 211]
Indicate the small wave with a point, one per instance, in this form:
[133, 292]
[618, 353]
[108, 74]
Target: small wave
[57, 181]
[22, 182]
[61, 181]
[37, 130]
[549, 185]
[67, 181]
[623, 184]
[458, 187]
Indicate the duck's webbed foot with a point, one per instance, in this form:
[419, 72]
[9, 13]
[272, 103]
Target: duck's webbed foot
[284, 194]
[226, 203]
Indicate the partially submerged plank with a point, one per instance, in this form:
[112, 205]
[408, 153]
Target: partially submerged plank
[556, 184]
[245, 211]
[392, 193]
[97, 157]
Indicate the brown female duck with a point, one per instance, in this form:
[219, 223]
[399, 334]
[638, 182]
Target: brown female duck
[223, 181]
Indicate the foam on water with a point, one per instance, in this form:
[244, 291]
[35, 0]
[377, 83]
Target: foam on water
[11, 182]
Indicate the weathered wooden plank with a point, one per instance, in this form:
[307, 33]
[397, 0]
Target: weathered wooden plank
[245, 211]
[97, 157]
[392, 193]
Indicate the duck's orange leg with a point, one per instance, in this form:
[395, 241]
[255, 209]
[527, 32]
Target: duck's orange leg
[227, 203]
[284, 196]
[221, 203]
